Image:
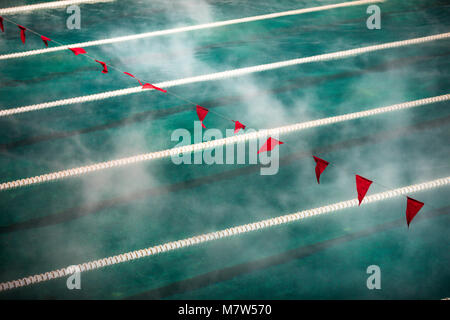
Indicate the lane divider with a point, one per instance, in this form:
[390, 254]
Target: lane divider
[216, 143]
[182, 29]
[46, 5]
[226, 233]
[223, 75]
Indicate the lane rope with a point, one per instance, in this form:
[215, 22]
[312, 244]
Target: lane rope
[46, 5]
[183, 29]
[170, 246]
[217, 143]
[222, 75]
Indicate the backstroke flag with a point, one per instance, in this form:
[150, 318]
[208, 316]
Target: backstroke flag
[362, 185]
[412, 208]
[201, 113]
[320, 167]
[269, 145]
[238, 126]
[77, 51]
[45, 39]
[150, 86]
[22, 33]
[105, 68]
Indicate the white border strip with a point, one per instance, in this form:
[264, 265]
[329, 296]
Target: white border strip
[170, 246]
[224, 74]
[46, 5]
[216, 143]
[183, 29]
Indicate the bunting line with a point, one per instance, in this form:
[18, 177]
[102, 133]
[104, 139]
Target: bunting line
[186, 29]
[223, 75]
[226, 233]
[46, 5]
[216, 143]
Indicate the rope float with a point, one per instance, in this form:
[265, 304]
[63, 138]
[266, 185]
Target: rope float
[46, 5]
[223, 75]
[216, 143]
[182, 29]
[170, 246]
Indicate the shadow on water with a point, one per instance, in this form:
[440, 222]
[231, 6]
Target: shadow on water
[53, 75]
[77, 212]
[228, 273]
[156, 114]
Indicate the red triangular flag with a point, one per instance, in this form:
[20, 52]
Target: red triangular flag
[127, 73]
[269, 145]
[362, 185]
[22, 33]
[105, 68]
[412, 208]
[238, 126]
[320, 167]
[150, 86]
[45, 39]
[1, 24]
[201, 112]
[77, 51]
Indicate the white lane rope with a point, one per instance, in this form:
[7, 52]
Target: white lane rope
[216, 143]
[170, 246]
[222, 75]
[46, 5]
[185, 29]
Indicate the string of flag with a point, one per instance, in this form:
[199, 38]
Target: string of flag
[240, 138]
[201, 111]
[221, 234]
[137, 36]
[362, 184]
[223, 74]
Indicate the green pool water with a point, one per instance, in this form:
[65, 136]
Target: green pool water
[53, 225]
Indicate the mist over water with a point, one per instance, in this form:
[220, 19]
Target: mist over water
[54, 225]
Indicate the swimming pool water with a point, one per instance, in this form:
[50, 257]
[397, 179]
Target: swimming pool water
[54, 225]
